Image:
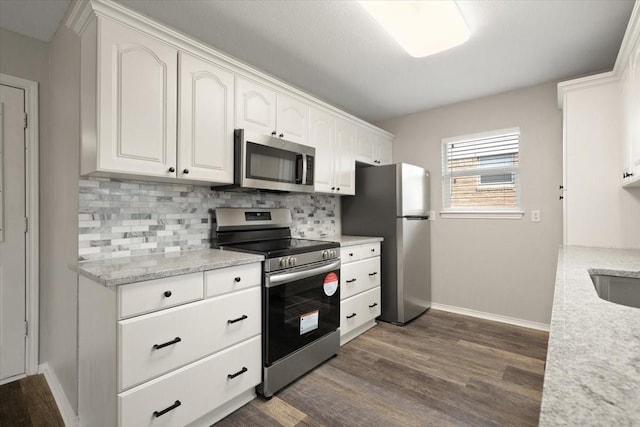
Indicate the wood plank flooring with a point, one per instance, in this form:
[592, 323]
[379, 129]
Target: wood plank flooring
[442, 369]
[28, 403]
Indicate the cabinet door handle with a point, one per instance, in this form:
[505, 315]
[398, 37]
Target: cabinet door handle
[167, 294]
[350, 253]
[186, 171]
[240, 372]
[373, 250]
[338, 188]
[373, 274]
[333, 188]
[351, 316]
[176, 340]
[172, 169]
[273, 133]
[373, 305]
[165, 410]
[281, 135]
[237, 279]
[244, 316]
[351, 281]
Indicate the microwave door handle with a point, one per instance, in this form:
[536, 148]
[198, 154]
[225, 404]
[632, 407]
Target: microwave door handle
[282, 278]
[305, 158]
[301, 166]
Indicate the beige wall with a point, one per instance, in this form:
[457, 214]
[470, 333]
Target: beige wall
[501, 267]
[59, 169]
[599, 212]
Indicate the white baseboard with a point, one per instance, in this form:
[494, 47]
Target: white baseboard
[490, 316]
[66, 411]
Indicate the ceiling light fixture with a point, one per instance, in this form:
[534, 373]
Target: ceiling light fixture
[422, 28]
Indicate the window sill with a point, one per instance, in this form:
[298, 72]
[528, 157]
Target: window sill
[467, 214]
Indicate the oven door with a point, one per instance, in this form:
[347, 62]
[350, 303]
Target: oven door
[274, 164]
[300, 307]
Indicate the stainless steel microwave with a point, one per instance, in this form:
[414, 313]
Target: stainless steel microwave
[266, 162]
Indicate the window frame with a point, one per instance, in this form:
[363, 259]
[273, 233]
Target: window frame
[490, 212]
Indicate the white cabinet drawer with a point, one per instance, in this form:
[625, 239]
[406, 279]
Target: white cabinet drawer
[358, 252]
[152, 295]
[225, 280]
[156, 343]
[356, 277]
[199, 388]
[359, 309]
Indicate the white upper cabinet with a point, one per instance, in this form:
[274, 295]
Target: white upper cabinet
[373, 148]
[345, 159]
[255, 106]
[266, 111]
[334, 140]
[292, 119]
[136, 102]
[322, 137]
[633, 117]
[205, 141]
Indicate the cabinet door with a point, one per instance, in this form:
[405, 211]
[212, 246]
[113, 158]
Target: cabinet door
[137, 102]
[634, 113]
[292, 119]
[384, 151]
[345, 162]
[322, 137]
[255, 106]
[365, 146]
[205, 142]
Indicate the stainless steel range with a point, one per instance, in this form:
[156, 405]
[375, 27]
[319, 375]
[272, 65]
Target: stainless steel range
[301, 291]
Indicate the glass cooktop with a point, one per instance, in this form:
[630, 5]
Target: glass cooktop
[281, 247]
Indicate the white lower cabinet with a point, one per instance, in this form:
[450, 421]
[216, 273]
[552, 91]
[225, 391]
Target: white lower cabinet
[185, 395]
[189, 364]
[359, 289]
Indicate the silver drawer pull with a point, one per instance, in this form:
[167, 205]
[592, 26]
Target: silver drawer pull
[240, 372]
[244, 316]
[166, 344]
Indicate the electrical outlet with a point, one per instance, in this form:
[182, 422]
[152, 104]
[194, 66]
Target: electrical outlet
[535, 216]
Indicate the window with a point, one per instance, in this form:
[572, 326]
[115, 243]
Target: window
[480, 173]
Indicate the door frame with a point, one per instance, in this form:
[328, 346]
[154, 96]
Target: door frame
[32, 192]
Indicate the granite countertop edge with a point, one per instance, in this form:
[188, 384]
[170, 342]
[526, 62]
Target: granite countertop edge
[592, 374]
[122, 271]
[346, 240]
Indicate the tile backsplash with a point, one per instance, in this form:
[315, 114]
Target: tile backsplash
[127, 218]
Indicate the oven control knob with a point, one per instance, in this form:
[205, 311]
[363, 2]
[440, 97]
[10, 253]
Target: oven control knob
[325, 255]
[283, 262]
[332, 253]
[292, 262]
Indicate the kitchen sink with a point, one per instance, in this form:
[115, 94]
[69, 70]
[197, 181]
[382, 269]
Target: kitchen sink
[620, 290]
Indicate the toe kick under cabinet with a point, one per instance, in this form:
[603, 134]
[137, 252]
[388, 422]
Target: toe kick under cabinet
[176, 351]
[359, 289]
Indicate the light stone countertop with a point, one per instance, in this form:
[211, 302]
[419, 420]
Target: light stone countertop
[120, 271]
[592, 375]
[352, 240]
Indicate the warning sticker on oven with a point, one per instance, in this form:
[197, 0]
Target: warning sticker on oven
[330, 284]
[309, 322]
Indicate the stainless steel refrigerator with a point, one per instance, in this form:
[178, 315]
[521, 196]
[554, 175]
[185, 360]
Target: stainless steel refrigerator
[393, 202]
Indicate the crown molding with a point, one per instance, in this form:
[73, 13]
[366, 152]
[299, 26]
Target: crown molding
[629, 42]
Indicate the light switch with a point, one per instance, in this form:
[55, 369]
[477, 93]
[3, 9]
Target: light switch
[535, 216]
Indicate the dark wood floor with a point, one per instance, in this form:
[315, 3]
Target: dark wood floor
[442, 369]
[28, 403]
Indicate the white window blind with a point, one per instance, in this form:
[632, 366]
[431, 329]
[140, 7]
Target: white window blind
[482, 172]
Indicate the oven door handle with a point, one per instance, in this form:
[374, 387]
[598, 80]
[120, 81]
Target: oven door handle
[282, 278]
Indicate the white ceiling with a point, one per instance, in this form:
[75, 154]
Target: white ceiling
[334, 50]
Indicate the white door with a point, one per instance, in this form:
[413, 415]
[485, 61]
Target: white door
[12, 233]
[322, 137]
[292, 119]
[345, 162]
[138, 102]
[255, 107]
[205, 141]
